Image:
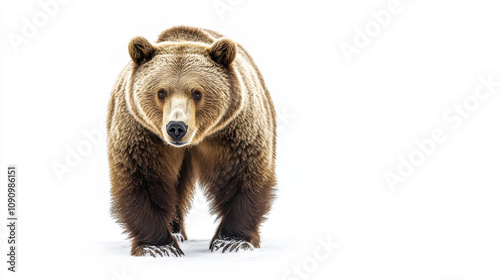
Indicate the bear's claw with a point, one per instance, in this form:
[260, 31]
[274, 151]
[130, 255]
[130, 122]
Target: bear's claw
[160, 251]
[178, 236]
[228, 244]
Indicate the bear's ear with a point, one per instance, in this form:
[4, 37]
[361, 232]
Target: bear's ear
[141, 50]
[223, 51]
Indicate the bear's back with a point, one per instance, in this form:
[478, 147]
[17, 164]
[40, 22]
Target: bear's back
[188, 34]
[206, 36]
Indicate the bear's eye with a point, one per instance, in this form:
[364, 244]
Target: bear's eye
[162, 94]
[196, 95]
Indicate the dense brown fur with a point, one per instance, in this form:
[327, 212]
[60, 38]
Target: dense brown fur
[231, 153]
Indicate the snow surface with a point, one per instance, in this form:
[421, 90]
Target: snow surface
[269, 262]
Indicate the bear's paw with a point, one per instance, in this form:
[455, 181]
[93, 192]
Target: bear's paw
[170, 250]
[231, 245]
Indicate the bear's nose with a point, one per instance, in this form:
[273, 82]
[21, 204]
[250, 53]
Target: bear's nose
[176, 130]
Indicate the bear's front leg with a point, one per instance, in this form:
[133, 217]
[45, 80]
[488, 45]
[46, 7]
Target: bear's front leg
[144, 177]
[145, 205]
[151, 234]
[185, 190]
[241, 205]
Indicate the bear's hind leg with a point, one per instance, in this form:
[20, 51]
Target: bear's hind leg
[185, 190]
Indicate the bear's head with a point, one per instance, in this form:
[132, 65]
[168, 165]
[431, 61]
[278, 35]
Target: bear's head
[183, 91]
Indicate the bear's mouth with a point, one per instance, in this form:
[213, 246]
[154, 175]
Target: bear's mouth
[177, 143]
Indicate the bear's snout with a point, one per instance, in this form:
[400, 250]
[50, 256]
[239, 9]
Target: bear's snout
[176, 130]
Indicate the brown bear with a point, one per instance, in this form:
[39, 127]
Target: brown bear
[190, 108]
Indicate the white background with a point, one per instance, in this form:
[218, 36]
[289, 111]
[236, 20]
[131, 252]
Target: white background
[343, 125]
